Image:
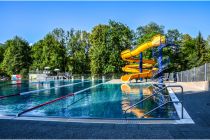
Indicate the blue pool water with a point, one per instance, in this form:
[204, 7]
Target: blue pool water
[103, 101]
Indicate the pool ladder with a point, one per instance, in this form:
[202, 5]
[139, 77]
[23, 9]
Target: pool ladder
[163, 104]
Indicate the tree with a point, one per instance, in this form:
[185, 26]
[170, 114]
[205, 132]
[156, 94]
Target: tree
[60, 35]
[119, 38]
[107, 42]
[48, 52]
[145, 33]
[37, 55]
[174, 36]
[63, 38]
[200, 45]
[17, 56]
[2, 50]
[173, 51]
[208, 43]
[99, 52]
[208, 48]
[188, 55]
[77, 48]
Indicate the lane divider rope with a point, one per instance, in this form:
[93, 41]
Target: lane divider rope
[57, 99]
[39, 90]
[34, 91]
[46, 103]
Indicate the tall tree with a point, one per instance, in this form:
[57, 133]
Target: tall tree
[173, 51]
[120, 37]
[99, 52]
[77, 48]
[208, 48]
[2, 50]
[107, 42]
[145, 33]
[174, 36]
[48, 52]
[63, 38]
[17, 56]
[188, 55]
[208, 43]
[200, 45]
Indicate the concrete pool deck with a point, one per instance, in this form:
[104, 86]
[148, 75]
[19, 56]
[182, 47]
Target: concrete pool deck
[197, 104]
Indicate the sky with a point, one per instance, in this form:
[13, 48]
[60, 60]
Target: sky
[33, 20]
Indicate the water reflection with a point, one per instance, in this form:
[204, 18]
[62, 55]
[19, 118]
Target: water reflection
[127, 102]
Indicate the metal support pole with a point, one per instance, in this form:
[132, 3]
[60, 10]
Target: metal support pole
[205, 72]
[182, 98]
[177, 75]
[103, 78]
[187, 75]
[181, 76]
[194, 74]
[160, 70]
[141, 63]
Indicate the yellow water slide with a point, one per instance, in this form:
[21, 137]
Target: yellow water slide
[129, 55]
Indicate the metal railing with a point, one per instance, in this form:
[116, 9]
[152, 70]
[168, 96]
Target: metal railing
[182, 101]
[201, 73]
[147, 113]
[134, 105]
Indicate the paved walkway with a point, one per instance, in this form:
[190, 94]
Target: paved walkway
[197, 104]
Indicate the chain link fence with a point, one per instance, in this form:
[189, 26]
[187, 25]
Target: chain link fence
[201, 73]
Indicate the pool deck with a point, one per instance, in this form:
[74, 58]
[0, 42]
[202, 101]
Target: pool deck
[197, 104]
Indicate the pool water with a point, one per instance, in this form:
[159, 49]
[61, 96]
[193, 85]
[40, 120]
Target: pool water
[105, 101]
[16, 104]
[8, 88]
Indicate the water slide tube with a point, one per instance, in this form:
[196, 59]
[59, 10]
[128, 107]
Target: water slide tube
[129, 56]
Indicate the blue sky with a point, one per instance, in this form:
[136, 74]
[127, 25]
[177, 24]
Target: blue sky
[33, 20]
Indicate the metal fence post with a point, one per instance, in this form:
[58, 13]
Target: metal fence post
[177, 75]
[205, 72]
[181, 76]
[194, 75]
[103, 78]
[187, 75]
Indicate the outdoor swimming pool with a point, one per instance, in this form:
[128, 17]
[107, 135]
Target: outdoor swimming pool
[92, 99]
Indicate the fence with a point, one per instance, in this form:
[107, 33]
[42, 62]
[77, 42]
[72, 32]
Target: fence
[97, 76]
[201, 73]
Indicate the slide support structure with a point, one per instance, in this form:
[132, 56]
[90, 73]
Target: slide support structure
[160, 65]
[141, 64]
